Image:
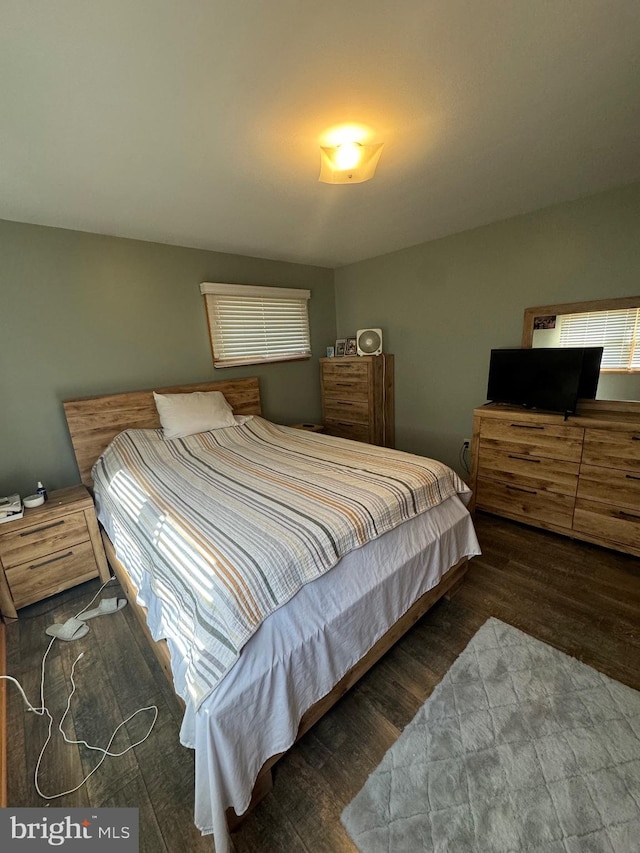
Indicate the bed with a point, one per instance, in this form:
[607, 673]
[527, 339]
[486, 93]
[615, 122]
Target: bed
[298, 660]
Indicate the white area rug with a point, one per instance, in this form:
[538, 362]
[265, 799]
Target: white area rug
[519, 748]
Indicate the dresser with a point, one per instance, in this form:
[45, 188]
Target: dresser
[53, 547]
[579, 476]
[358, 398]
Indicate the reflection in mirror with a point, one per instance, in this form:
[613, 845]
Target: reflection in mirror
[545, 324]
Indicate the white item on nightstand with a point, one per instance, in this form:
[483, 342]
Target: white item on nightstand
[33, 500]
[11, 508]
[13, 517]
[10, 504]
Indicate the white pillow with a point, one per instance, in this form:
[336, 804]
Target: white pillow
[199, 411]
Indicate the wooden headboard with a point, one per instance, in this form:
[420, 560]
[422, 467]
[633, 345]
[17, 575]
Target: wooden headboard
[95, 421]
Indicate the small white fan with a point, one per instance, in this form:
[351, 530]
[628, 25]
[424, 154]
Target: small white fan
[369, 341]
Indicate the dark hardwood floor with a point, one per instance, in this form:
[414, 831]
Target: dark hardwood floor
[579, 598]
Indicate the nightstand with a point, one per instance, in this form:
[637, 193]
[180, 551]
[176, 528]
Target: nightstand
[52, 547]
[308, 427]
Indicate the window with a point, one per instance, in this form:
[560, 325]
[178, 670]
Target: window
[251, 325]
[617, 331]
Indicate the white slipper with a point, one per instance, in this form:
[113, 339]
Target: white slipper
[106, 606]
[72, 629]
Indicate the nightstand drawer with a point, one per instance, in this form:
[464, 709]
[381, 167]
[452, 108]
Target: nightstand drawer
[40, 578]
[29, 543]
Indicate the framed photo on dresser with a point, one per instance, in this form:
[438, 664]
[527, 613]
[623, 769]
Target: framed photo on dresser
[341, 346]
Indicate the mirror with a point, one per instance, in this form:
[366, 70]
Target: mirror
[541, 328]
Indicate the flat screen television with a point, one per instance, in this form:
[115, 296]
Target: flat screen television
[552, 379]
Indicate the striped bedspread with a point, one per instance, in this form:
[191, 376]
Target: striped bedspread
[226, 526]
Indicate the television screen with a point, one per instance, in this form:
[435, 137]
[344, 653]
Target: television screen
[590, 375]
[550, 378]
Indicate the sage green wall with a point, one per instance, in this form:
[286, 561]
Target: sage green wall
[83, 314]
[445, 304]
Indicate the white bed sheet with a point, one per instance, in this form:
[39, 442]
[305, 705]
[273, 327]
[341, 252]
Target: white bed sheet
[302, 650]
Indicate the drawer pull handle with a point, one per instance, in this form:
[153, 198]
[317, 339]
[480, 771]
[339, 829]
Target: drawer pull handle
[344, 423]
[527, 426]
[523, 458]
[631, 515]
[344, 384]
[40, 529]
[520, 489]
[52, 560]
[632, 477]
[635, 438]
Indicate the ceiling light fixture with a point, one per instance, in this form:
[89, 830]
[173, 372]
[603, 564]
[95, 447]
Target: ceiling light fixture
[348, 163]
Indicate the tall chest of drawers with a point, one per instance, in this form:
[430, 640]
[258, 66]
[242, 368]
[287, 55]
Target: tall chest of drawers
[53, 547]
[358, 398]
[579, 477]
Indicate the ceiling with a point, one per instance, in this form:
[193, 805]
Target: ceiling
[199, 123]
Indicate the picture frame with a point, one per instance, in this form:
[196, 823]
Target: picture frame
[341, 346]
[330, 352]
[351, 347]
[545, 321]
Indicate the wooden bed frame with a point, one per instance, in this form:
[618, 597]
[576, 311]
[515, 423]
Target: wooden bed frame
[95, 421]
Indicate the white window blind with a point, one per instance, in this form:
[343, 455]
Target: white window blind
[617, 331]
[250, 324]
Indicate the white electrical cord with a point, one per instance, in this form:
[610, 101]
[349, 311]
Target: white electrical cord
[42, 710]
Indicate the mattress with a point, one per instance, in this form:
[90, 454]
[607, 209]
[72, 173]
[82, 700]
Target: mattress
[299, 651]
[227, 525]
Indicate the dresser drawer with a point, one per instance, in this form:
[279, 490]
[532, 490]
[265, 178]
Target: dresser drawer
[610, 485]
[612, 448]
[344, 429]
[354, 371]
[552, 441]
[524, 503]
[351, 390]
[39, 578]
[29, 543]
[533, 472]
[609, 522]
[352, 411]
